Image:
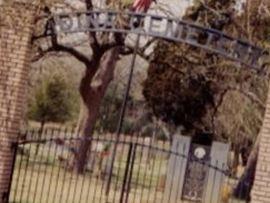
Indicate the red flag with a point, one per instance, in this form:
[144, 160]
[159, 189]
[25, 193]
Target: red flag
[141, 5]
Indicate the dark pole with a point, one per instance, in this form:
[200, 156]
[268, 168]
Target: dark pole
[131, 170]
[122, 113]
[130, 152]
[14, 147]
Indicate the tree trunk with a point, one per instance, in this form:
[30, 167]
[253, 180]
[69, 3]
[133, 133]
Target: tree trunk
[92, 89]
[81, 119]
[235, 163]
[244, 186]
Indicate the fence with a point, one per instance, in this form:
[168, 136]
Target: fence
[44, 172]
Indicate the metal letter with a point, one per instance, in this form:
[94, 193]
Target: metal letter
[135, 21]
[109, 22]
[154, 26]
[93, 21]
[179, 31]
[64, 22]
[192, 35]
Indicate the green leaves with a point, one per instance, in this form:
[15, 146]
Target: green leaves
[53, 101]
[204, 92]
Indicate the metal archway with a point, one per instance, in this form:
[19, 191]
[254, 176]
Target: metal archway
[162, 27]
[155, 26]
[171, 29]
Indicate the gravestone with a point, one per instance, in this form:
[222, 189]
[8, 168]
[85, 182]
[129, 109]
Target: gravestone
[195, 173]
[176, 168]
[219, 158]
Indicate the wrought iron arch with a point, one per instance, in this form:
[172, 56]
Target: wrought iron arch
[167, 28]
[141, 24]
[62, 147]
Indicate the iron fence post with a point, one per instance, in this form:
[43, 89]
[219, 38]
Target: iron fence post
[122, 113]
[134, 148]
[126, 173]
[14, 147]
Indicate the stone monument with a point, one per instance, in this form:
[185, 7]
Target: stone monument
[195, 171]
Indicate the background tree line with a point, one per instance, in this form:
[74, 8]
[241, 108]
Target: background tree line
[206, 94]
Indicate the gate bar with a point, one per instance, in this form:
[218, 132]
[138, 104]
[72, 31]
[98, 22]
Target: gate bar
[126, 173]
[122, 114]
[14, 146]
[131, 170]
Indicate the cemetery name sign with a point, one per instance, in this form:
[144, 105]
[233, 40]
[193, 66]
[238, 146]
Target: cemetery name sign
[158, 26]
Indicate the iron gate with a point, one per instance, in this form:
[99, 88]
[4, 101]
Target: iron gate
[120, 168]
[43, 170]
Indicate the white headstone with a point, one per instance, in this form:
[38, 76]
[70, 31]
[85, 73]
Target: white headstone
[219, 158]
[176, 169]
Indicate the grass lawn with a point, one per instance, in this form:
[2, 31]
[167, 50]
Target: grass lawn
[42, 178]
[47, 181]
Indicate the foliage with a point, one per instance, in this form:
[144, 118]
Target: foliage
[109, 111]
[182, 98]
[52, 101]
[202, 92]
[110, 114]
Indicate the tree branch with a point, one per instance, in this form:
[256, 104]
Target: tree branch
[76, 54]
[252, 97]
[92, 35]
[140, 51]
[216, 107]
[56, 47]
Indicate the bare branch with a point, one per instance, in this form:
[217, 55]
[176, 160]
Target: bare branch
[250, 96]
[141, 51]
[56, 47]
[76, 54]
[216, 107]
[92, 35]
[148, 44]
[129, 50]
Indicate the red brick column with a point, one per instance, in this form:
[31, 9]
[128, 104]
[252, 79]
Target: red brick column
[261, 187]
[15, 35]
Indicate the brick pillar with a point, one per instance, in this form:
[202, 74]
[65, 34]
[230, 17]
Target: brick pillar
[15, 34]
[261, 187]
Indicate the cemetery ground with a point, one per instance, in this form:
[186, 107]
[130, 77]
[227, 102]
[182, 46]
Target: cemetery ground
[43, 176]
[63, 189]
[65, 186]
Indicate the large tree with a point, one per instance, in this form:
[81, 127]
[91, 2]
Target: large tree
[104, 50]
[207, 94]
